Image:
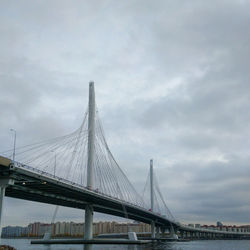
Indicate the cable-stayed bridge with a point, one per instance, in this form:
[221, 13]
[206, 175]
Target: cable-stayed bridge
[78, 170]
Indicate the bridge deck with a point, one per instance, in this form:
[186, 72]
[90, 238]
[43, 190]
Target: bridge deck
[35, 185]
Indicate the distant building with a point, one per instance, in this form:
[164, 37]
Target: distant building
[57, 228]
[14, 231]
[38, 229]
[34, 229]
[246, 228]
[219, 224]
[44, 228]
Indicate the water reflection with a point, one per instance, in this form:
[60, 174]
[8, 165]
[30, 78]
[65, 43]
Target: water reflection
[47, 247]
[132, 247]
[87, 247]
[24, 244]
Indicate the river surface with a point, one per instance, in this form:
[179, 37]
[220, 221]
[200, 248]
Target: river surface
[24, 244]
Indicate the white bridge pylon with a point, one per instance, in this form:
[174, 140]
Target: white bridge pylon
[88, 232]
[82, 157]
[156, 202]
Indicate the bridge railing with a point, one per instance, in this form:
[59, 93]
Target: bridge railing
[18, 165]
[210, 230]
[44, 173]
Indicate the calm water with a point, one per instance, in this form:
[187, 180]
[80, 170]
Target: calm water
[24, 244]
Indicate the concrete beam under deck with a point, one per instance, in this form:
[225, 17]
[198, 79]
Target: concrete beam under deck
[92, 241]
[36, 187]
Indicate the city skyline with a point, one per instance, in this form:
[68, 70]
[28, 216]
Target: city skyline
[73, 229]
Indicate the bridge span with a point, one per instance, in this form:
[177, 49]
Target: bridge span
[89, 178]
[34, 185]
[28, 183]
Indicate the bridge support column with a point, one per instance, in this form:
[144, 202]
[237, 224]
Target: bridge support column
[2, 193]
[153, 229]
[199, 235]
[182, 234]
[172, 232]
[158, 232]
[162, 232]
[88, 227]
[3, 184]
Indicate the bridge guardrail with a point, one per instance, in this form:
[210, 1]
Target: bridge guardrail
[15, 164]
[46, 174]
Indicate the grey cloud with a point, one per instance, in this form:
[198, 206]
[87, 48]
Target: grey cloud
[171, 84]
[216, 186]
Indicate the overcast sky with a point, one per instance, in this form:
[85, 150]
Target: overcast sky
[172, 84]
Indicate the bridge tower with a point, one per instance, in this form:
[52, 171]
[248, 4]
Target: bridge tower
[152, 197]
[88, 232]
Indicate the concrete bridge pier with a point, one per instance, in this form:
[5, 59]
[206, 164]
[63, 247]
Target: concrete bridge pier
[172, 232]
[197, 235]
[194, 235]
[162, 232]
[191, 235]
[182, 234]
[3, 184]
[152, 229]
[201, 235]
[158, 232]
[88, 230]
